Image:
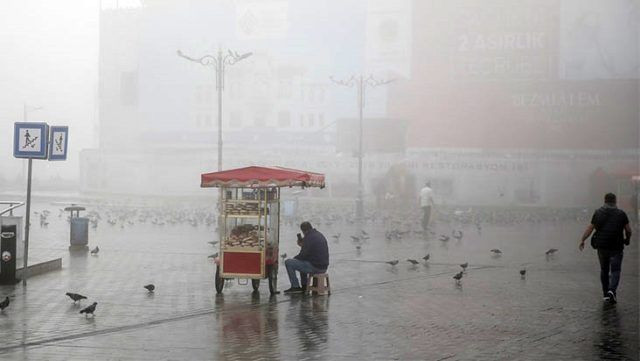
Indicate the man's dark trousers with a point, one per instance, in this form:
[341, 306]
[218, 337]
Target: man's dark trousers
[610, 265]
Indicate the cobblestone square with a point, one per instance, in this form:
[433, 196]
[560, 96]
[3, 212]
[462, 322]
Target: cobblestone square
[375, 311]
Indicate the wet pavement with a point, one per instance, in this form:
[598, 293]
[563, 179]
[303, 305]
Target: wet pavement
[375, 312]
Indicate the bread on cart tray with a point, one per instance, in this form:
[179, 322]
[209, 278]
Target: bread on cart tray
[244, 235]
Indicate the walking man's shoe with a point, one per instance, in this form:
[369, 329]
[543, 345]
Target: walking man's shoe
[612, 297]
[293, 290]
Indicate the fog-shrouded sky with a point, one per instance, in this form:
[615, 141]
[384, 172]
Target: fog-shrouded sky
[51, 50]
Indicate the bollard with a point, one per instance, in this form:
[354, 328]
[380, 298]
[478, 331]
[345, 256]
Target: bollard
[8, 255]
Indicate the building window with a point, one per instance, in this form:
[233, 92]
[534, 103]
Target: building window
[284, 119]
[129, 88]
[284, 89]
[259, 120]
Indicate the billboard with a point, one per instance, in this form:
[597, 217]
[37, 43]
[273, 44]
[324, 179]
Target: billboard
[380, 135]
[498, 74]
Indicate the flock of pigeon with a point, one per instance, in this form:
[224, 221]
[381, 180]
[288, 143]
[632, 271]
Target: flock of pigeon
[122, 216]
[91, 309]
[76, 297]
[399, 225]
[458, 276]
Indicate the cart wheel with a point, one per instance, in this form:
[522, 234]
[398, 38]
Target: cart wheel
[255, 284]
[273, 279]
[219, 281]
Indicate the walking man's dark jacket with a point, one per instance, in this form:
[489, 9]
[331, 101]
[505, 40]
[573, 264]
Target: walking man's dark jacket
[315, 250]
[609, 223]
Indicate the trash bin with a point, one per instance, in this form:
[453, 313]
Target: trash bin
[8, 255]
[79, 231]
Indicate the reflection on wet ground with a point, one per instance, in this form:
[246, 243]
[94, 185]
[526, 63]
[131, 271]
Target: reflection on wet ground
[376, 310]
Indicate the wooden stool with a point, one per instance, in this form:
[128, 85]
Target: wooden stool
[318, 283]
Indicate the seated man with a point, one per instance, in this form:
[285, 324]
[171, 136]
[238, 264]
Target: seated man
[313, 258]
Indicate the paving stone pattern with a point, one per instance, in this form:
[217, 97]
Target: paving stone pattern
[375, 312]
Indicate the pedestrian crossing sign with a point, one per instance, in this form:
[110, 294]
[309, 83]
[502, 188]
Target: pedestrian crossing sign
[58, 143]
[30, 140]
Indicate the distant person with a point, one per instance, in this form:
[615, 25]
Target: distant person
[426, 203]
[609, 223]
[313, 258]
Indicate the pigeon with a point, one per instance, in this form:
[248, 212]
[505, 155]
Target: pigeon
[464, 266]
[393, 263]
[496, 251]
[95, 250]
[75, 296]
[426, 258]
[457, 234]
[215, 255]
[412, 261]
[444, 238]
[364, 233]
[458, 276]
[89, 309]
[551, 251]
[358, 247]
[213, 243]
[355, 238]
[523, 272]
[283, 256]
[150, 287]
[4, 304]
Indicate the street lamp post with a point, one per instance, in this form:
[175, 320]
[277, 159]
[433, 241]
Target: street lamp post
[218, 62]
[361, 82]
[25, 256]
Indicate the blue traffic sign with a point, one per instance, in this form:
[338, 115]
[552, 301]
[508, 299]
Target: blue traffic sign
[58, 142]
[30, 140]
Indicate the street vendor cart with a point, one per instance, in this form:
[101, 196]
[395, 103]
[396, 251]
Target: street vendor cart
[250, 220]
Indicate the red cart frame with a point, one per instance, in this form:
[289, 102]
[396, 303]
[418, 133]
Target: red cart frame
[249, 222]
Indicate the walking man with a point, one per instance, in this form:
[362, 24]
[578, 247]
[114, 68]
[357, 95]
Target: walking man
[609, 223]
[426, 203]
[313, 258]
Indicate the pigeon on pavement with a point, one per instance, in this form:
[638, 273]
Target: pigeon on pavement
[426, 258]
[150, 287]
[95, 250]
[75, 296]
[523, 272]
[89, 309]
[4, 304]
[458, 277]
[412, 261]
[464, 266]
[496, 251]
[393, 263]
[551, 251]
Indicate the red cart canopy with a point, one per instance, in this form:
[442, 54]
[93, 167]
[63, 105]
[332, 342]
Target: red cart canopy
[262, 177]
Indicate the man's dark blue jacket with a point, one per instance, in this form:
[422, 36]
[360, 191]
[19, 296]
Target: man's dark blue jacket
[315, 250]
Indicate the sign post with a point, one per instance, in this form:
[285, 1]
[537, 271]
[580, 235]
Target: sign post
[31, 141]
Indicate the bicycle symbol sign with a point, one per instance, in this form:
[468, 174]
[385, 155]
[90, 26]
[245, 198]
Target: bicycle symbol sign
[58, 143]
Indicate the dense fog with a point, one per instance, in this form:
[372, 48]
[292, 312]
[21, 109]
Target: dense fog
[494, 102]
